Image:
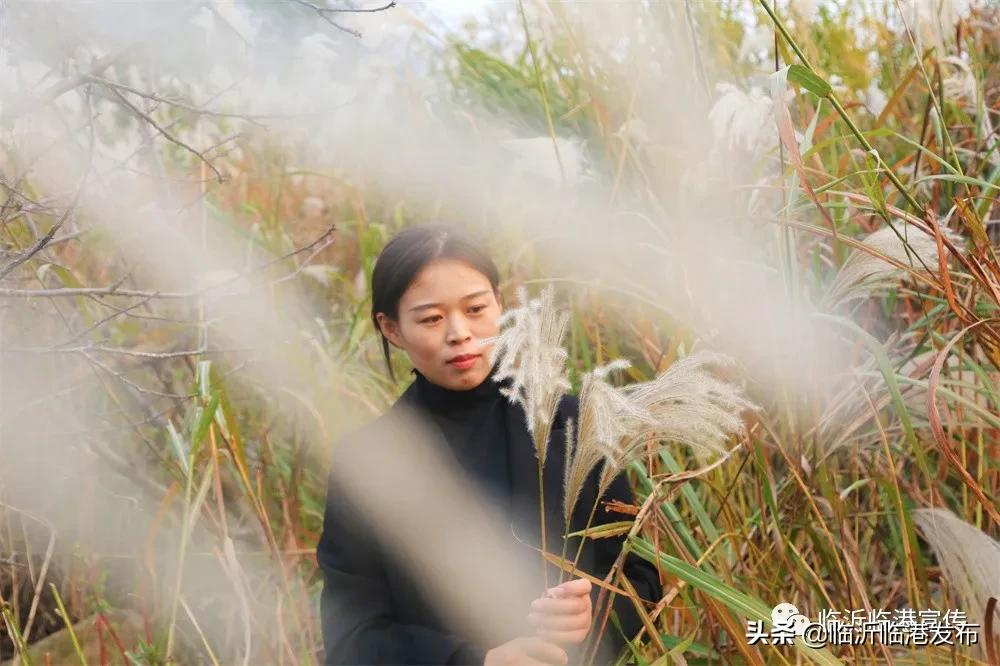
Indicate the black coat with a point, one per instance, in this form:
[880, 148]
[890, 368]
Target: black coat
[372, 613]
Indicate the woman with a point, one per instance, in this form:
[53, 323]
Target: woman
[435, 294]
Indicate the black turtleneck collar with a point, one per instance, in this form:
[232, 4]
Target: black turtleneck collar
[442, 400]
[473, 424]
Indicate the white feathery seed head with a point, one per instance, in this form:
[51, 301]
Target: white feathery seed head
[607, 416]
[960, 85]
[969, 559]
[933, 21]
[739, 118]
[687, 403]
[530, 353]
[864, 274]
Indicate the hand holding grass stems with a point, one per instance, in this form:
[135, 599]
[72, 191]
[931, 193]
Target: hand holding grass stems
[686, 403]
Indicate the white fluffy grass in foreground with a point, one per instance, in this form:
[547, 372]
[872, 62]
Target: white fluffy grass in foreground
[687, 403]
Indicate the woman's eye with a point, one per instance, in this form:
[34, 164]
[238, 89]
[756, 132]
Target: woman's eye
[430, 320]
[477, 308]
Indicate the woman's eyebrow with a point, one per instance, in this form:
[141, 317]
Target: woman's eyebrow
[424, 306]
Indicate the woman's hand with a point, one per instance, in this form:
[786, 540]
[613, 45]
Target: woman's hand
[561, 617]
[526, 651]
[564, 614]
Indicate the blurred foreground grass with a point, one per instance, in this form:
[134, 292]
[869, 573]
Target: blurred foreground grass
[886, 124]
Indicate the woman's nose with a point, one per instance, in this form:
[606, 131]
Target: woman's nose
[458, 330]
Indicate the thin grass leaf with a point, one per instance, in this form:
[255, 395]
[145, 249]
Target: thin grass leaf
[743, 604]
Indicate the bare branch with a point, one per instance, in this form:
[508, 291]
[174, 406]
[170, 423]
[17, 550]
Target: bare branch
[72, 292]
[120, 351]
[352, 10]
[103, 321]
[50, 234]
[141, 389]
[308, 259]
[253, 118]
[167, 135]
[323, 11]
[57, 89]
[67, 237]
[47, 237]
[115, 290]
[322, 239]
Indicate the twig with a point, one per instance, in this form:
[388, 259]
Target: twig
[167, 135]
[40, 584]
[145, 142]
[67, 237]
[149, 317]
[12, 189]
[57, 89]
[320, 11]
[92, 291]
[50, 234]
[45, 565]
[141, 389]
[305, 262]
[323, 11]
[117, 350]
[114, 290]
[353, 10]
[173, 102]
[103, 321]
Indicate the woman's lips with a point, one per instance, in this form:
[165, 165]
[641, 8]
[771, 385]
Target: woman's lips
[464, 363]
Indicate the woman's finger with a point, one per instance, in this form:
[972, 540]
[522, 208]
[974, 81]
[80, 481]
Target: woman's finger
[570, 606]
[563, 637]
[548, 652]
[560, 622]
[575, 587]
[531, 661]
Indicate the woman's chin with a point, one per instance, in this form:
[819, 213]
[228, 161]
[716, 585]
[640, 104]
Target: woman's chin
[468, 378]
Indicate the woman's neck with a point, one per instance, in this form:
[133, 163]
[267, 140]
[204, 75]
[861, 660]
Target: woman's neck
[438, 398]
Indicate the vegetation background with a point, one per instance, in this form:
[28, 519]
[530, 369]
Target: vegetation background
[192, 196]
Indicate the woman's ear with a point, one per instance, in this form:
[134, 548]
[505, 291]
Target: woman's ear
[390, 329]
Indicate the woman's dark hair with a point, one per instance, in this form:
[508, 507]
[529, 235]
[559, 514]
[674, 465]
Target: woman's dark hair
[406, 254]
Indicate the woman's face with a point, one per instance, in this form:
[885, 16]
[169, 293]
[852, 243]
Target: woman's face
[443, 314]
